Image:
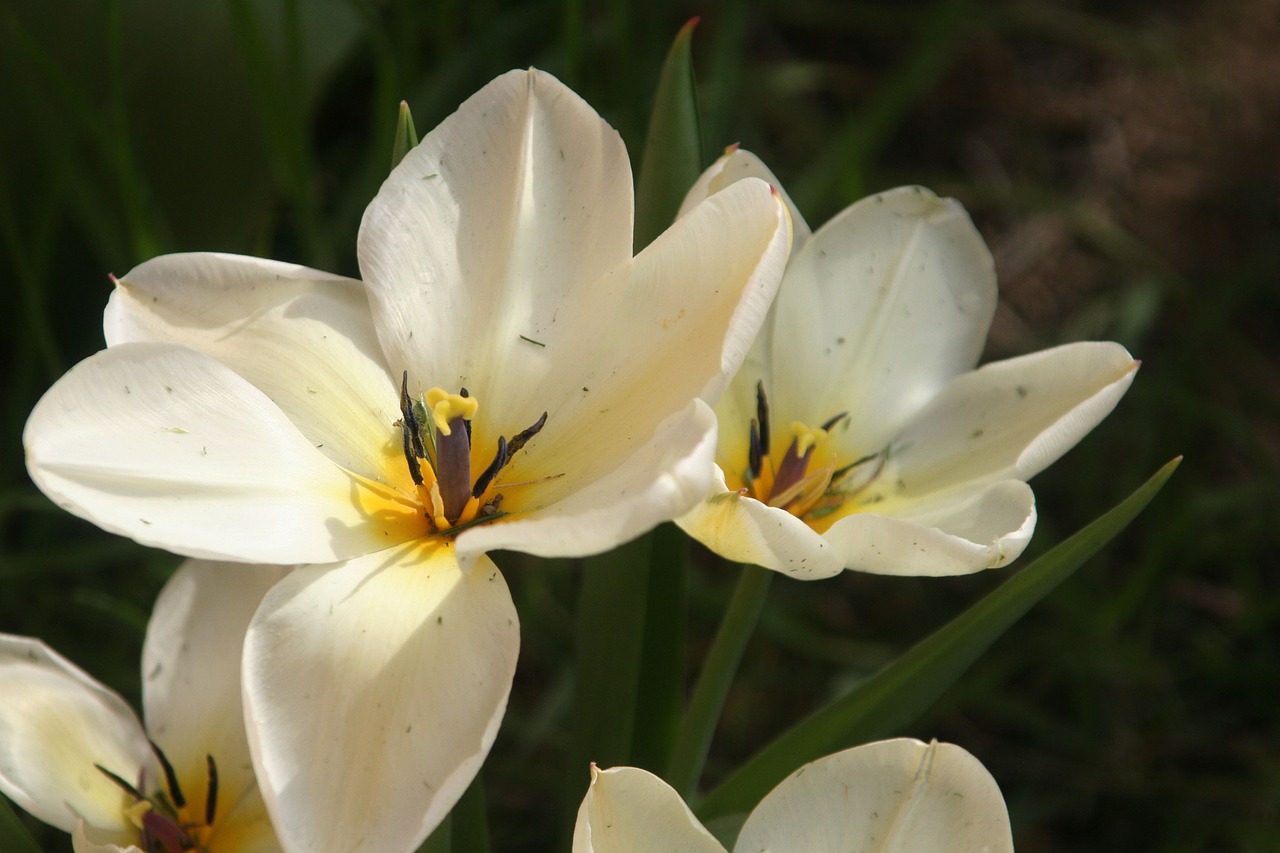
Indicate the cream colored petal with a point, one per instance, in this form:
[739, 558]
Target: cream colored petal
[957, 532]
[656, 482]
[629, 810]
[894, 796]
[734, 165]
[173, 449]
[647, 340]
[56, 723]
[191, 673]
[85, 839]
[304, 338]
[373, 691]
[745, 530]
[888, 302]
[486, 230]
[1010, 418]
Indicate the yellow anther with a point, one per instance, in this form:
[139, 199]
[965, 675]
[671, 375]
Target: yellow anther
[137, 811]
[806, 437]
[444, 407]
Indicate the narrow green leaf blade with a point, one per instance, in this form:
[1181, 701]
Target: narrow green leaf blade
[905, 688]
[672, 158]
[406, 135]
[14, 837]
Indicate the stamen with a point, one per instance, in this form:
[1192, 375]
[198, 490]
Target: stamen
[413, 450]
[486, 477]
[523, 436]
[755, 451]
[120, 783]
[833, 420]
[170, 778]
[762, 417]
[211, 801]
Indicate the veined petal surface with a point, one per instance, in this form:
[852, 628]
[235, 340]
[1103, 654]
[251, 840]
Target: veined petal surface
[191, 674]
[56, 723]
[173, 449]
[302, 337]
[629, 810]
[373, 691]
[895, 796]
[486, 230]
[883, 306]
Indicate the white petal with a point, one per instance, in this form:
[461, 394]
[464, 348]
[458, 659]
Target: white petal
[1010, 418]
[672, 326]
[897, 795]
[191, 673]
[85, 839]
[745, 530]
[957, 532]
[886, 303]
[244, 827]
[734, 165]
[56, 723]
[657, 482]
[373, 691]
[628, 810]
[304, 338]
[487, 228]
[173, 449]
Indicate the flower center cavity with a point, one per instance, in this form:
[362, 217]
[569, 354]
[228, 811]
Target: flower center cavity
[808, 480]
[164, 821]
[436, 429]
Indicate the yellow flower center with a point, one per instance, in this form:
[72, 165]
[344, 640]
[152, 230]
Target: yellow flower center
[436, 433]
[808, 480]
[165, 821]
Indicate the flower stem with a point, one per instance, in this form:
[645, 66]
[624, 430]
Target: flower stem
[699, 724]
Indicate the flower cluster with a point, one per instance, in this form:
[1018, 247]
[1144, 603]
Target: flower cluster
[508, 374]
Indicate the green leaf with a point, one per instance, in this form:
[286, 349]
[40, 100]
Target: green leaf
[14, 837]
[406, 135]
[672, 158]
[897, 694]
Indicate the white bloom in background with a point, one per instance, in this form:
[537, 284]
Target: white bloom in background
[73, 754]
[892, 795]
[506, 376]
[858, 433]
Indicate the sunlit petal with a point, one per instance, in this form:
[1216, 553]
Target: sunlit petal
[173, 449]
[747, 531]
[734, 165]
[957, 532]
[657, 481]
[488, 228]
[191, 672]
[56, 723]
[628, 810]
[373, 691]
[672, 326]
[888, 302]
[304, 338]
[1011, 418]
[896, 795]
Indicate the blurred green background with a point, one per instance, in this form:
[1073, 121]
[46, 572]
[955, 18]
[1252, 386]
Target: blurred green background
[1119, 157]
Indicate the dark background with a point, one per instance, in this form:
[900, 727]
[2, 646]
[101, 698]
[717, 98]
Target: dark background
[1121, 159]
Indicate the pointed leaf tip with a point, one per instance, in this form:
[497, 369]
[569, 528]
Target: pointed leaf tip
[406, 136]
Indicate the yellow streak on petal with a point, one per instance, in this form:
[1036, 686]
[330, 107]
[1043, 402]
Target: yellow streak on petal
[400, 518]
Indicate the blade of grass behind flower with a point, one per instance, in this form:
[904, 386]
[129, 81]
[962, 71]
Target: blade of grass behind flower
[672, 158]
[14, 837]
[897, 694]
